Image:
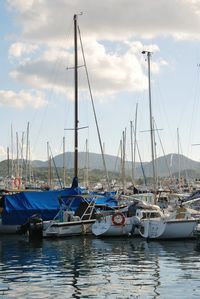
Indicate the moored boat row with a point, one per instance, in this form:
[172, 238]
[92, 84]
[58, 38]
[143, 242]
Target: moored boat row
[72, 211]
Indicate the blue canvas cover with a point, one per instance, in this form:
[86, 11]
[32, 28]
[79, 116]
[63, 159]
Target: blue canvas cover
[106, 198]
[19, 207]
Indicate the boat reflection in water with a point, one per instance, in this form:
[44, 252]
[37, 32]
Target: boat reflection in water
[83, 267]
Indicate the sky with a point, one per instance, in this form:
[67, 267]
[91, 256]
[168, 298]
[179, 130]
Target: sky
[36, 75]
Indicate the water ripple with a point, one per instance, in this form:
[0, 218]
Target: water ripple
[94, 268]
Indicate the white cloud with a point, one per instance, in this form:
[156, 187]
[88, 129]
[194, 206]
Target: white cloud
[108, 19]
[46, 23]
[18, 49]
[109, 72]
[22, 99]
[21, 5]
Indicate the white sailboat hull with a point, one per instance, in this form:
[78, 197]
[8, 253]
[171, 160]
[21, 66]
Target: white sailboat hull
[105, 227]
[168, 229]
[66, 229]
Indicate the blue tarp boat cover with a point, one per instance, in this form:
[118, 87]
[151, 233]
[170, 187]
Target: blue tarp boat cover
[19, 207]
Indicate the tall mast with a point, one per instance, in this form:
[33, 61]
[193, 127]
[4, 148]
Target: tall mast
[123, 158]
[49, 166]
[132, 166]
[179, 161]
[11, 150]
[155, 154]
[75, 99]
[8, 161]
[17, 145]
[135, 137]
[133, 148]
[151, 120]
[64, 164]
[27, 150]
[121, 162]
[29, 164]
[22, 154]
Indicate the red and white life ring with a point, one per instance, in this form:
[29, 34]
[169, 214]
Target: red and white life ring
[118, 218]
[17, 182]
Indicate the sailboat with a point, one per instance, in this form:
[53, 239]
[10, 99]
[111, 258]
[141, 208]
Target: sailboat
[181, 221]
[179, 224]
[65, 212]
[70, 222]
[126, 221]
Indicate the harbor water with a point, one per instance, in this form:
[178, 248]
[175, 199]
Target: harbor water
[87, 267]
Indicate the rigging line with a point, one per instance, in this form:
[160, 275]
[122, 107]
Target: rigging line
[163, 150]
[183, 161]
[55, 167]
[117, 159]
[95, 116]
[141, 163]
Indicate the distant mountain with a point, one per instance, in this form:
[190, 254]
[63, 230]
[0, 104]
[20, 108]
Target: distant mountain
[165, 165]
[172, 164]
[38, 163]
[95, 161]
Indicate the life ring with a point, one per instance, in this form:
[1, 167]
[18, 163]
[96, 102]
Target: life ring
[17, 182]
[118, 218]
